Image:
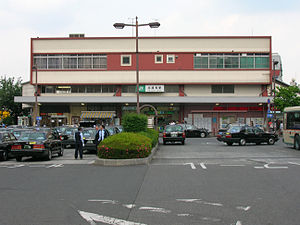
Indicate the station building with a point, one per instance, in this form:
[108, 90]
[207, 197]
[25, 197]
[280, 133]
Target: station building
[205, 81]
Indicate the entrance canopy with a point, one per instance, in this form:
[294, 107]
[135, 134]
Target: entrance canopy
[97, 114]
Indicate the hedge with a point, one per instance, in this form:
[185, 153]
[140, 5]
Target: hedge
[152, 134]
[133, 122]
[125, 145]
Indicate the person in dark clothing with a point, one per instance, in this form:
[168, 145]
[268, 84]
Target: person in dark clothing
[97, 136]
[79, 143]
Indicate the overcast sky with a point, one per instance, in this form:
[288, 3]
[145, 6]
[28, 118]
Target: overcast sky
[22, 19]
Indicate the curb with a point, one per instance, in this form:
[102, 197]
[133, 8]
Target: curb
[126, 162]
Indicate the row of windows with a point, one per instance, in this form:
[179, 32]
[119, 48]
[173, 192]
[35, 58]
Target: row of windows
[125, 89]
[70, 61]
[201, 61]
[235, 61]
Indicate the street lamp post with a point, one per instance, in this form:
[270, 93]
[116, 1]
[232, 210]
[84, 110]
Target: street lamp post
[274, 91]
[36, 94]
[136, 25]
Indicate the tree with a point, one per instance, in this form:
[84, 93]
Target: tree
[9, 88]
[287, 97]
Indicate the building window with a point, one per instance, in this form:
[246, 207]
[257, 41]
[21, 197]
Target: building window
[70, 61]
[128, 88]
[159, 58]
[170, 58]
[171, 88]
[231, 61]
[125, 60]
[222, 89]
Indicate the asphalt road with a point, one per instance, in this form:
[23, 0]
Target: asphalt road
[202, 182]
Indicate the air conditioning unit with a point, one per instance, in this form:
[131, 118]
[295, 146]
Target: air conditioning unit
[76, 35]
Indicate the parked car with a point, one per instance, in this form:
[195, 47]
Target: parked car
[37, 144]
[246, 134]
[174, 133]
[193, 131]
[68, 137]
[89, 137]
[6, 141]
[112, 130]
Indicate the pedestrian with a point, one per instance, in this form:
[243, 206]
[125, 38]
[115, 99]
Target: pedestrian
[79, 143]
[97, 136]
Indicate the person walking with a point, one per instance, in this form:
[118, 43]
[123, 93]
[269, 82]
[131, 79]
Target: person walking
[79, 143]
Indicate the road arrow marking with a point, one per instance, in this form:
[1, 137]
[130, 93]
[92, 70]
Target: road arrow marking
[92, 217]
[275, 167]
[192, 165]
[203, 166]
[238, 223]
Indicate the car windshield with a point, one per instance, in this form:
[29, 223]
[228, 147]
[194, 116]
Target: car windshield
[89, 133]
[175, 128]
[70, 131]
[234, 129]
[36, 136]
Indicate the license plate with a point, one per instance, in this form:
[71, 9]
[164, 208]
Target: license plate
[32, 143]
[174, 134]
[27, 147]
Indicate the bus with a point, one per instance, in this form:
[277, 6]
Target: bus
[291, 126]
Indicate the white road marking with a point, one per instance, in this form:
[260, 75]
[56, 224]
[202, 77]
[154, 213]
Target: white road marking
[91, 217]
[243, 208]
[211, 219]
[203, 166]
[259, 167]
[15, 166]
[91, 162]
[192, 165]
[274, 167]
[36, 166]
[184, 214]
[238, 223]
[188, 200]
[154, 209]
[293, 163]
[104, 201]
[200, 201]
[55, 165]
[129, 206]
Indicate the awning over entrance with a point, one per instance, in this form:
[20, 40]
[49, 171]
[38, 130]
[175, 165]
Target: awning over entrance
[97, 114]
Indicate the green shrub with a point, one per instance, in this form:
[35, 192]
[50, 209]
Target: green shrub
[133, 122]
[125, 145]
[152, 134]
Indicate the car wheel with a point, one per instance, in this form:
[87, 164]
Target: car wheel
[202, 135]
[271, 141]
[229, 143]
[19, 158]
[297, 143]
[242, 142]
[257, 143]
[182, 142]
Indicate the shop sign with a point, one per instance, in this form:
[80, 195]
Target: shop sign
[129, 108]
[159, 112]
[151, 88]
